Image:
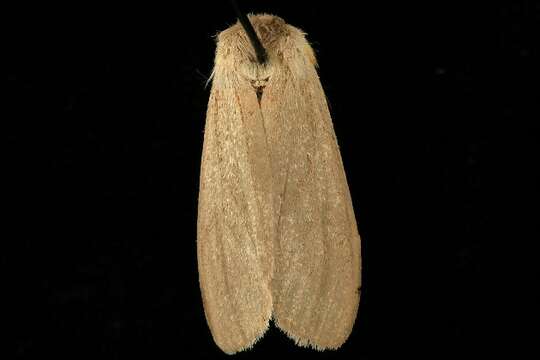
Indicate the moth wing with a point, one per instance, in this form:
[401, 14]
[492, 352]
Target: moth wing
[317, 258]
[234, 218]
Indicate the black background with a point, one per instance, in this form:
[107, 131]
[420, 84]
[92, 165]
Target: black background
[435, 110]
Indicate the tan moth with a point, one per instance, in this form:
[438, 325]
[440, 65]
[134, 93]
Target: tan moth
[276, 232]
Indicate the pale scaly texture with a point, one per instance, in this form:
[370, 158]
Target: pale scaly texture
[277, 234]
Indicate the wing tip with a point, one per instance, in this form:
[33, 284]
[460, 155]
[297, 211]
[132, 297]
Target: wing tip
[231, 349]
[307, 342]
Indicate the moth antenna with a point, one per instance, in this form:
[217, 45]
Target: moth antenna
[252, 35]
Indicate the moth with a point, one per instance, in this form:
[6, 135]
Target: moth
[277, 237]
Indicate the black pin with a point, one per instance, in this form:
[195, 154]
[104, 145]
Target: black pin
[252, 35]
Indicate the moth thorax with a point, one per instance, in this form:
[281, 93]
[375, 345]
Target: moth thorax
[258, 76]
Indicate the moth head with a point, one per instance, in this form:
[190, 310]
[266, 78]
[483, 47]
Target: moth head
[271, 31]
[287, 50]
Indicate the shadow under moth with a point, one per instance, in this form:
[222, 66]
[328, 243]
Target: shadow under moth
[276, 232]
